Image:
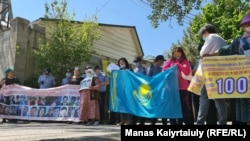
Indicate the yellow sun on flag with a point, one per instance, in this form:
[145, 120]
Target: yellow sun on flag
[144, 89]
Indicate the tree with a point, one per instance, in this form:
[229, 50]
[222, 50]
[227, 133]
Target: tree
[224, 16]
[163, 10]
[68, 43]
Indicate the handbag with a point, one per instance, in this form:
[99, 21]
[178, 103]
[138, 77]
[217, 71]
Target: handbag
[94, 94]
[187, 77]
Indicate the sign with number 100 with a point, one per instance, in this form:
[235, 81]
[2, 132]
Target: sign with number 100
[230, 85]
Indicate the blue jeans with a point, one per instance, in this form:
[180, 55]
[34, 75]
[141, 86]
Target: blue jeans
[204, 107]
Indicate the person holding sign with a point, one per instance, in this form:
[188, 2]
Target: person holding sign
[213, 42]
[212, 112]
[238, 106]
[8, 80]
[89, 106]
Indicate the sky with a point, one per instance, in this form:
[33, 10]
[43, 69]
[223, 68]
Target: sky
[154, 41]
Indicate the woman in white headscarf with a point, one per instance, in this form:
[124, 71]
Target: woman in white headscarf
[89, 108]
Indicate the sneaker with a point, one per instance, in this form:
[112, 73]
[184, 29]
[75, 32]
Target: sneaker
[96, 123]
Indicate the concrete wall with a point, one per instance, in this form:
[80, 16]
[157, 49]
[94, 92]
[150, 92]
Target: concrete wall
[7, 50]
[16, 46]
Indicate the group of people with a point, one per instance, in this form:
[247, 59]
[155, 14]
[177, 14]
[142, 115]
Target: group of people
[92, 111]
[178, 58]
[205, 111]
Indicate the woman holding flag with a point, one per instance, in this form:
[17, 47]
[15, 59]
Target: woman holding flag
[179, 59]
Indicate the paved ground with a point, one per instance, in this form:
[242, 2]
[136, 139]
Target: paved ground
[36, 131]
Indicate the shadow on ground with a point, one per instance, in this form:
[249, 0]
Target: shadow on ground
[114, 137]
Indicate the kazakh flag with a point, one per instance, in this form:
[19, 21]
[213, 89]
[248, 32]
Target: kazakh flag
[152, 97]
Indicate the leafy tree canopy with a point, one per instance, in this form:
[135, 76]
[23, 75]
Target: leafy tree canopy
[225, 15]
[164, 10]
[68, 43]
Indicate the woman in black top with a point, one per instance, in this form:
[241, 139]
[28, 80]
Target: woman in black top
[8, 80]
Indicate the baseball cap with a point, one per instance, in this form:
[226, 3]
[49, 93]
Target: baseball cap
[159, 57]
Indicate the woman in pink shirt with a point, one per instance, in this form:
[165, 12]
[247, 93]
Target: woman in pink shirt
[179, 59]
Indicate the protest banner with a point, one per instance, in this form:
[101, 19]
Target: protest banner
[226, 76]
[197, 81]
[53, 104]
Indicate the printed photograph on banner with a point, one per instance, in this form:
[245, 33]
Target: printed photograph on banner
[56, 111]
[71, 112]
[19, 110]
[77, 103]
[6, 110]
[65, 101]
[73, 101]
[13, 110]
[85, 84]
[52, 100]
[227, 76]
[41, 111]
[33, 111]
[77, 112]
[63, 112]
[25, 110]
[18, 100]
[49, 112]
[41, 101]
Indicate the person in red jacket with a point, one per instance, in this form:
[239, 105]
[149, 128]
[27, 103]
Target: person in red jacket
[179, 59]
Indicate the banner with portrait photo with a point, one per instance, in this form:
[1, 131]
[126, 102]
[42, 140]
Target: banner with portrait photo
[53, 104]
[227, 76]
[85, 83]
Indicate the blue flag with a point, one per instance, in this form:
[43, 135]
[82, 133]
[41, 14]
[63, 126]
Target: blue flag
[153, 97]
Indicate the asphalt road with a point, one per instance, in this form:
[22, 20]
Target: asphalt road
[37, 131]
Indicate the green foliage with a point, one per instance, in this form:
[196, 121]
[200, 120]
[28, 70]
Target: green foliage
[225, 15]
[164, 10]
[31, 82]
[68, 43]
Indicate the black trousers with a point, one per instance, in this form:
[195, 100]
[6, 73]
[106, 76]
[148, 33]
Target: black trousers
[187, 110]
[102, 105]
